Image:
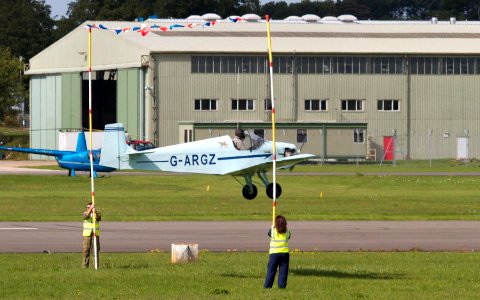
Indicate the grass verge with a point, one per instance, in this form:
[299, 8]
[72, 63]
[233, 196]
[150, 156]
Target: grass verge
[352, 275]
[201, 197]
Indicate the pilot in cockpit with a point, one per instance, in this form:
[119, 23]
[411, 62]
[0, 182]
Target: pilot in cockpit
[239, 138]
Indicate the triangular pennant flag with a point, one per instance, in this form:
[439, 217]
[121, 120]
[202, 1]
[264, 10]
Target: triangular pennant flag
[145, 31]
[102, 27]
[175, 26]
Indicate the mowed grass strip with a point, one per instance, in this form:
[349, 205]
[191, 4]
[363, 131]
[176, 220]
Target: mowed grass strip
[351, 275]
[204, 197]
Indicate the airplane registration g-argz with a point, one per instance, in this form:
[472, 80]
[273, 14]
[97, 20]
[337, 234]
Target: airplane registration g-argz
[210, 156]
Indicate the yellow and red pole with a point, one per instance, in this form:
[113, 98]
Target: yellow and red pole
[91, 145]
[272, 100]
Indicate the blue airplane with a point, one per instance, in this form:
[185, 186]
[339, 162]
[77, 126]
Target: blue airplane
[77, 160]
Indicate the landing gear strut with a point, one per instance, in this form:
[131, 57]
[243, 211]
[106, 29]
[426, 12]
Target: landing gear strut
[250, 191]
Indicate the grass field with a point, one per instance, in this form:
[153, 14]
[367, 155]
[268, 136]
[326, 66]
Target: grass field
[154, 198]
[356, 275]
[17, 137]
[240, 275]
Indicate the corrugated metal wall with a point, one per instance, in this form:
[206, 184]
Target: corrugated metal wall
[46, 111]
[130, 92]
[178, 88]
[71, 101]
[450, 108]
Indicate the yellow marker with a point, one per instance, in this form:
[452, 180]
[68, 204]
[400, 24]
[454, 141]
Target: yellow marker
[321, 194]
[208, 188]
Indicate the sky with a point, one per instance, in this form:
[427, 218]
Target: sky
[59, 7]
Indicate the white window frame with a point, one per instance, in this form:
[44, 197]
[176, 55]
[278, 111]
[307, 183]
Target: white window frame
[358, 136]
[304, 132]
[247, 106]
[267, 104]
[359, 105]
[320, 102]
[382, 101]
[201, 100]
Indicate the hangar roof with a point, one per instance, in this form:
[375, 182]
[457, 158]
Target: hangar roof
[329, 35]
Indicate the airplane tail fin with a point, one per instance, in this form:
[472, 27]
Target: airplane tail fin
[81, 142]
[114, 147]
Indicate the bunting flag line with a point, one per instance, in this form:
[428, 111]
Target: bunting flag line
[144, 29]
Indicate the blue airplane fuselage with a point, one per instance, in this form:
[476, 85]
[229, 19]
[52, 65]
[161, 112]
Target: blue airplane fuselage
[78, 160]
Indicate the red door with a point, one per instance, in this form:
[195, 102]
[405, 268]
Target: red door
[388, 147]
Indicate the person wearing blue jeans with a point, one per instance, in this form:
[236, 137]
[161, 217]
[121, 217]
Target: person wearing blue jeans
[279, 254]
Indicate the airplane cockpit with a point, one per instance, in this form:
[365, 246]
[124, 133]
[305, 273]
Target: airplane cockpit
[252, 141]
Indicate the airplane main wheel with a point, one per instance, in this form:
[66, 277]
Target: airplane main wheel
[270, 190]
[249, 195]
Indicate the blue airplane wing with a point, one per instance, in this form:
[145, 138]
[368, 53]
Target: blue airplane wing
[48, 152]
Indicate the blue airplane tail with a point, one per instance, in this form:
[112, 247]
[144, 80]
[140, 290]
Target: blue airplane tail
[114, 147]
[81, 142]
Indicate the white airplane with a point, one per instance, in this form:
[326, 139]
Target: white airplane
[210, 156]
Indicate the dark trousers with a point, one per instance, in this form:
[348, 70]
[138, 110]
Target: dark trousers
[87, 249]
[280, 261]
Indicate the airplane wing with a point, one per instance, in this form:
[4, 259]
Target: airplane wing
[281, 163]
[48, 152]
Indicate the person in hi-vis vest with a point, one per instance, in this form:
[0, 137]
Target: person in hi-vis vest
[279, 253]
[88, 234]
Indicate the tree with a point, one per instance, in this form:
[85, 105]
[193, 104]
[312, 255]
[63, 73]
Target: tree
[12, 91]
[26, 26]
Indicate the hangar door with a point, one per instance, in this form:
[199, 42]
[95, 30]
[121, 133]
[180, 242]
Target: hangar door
[130, 95]
[104, 95]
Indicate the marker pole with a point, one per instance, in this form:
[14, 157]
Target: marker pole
[91, 144]
[272, 100]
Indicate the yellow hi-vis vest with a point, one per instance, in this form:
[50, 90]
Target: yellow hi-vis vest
[279, 241]
[88, 227]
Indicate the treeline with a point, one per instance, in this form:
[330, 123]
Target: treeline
[27, 28]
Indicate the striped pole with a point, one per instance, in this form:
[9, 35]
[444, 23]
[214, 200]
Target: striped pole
[272, 100]
[91, 144]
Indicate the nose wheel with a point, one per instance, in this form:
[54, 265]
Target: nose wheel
[270, 190]
[248, 193]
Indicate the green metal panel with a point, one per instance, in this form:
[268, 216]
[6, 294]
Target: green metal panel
[45, 106]
[129, 100]
[71, 101]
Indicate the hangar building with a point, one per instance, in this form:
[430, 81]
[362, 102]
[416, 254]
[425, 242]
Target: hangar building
[344, 88]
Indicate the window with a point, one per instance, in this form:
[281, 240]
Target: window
[242, 104]
[268, 105]
[302, 136]
[194, 64]
[259, 132]
[315, 105]
[205, 104]
[388, 105]
[352, 105]
[187, 135]
[257, 64]
[358, 135]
